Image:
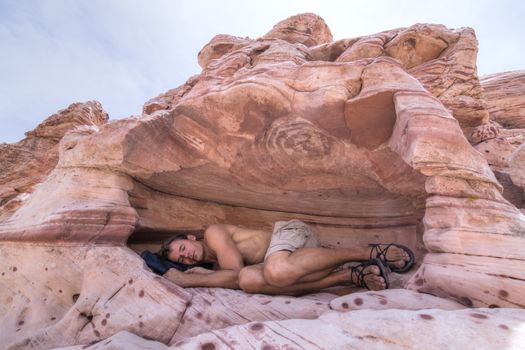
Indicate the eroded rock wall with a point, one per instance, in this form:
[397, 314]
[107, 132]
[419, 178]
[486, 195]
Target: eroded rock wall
[368, 139]
[26, 163]
[500, 140]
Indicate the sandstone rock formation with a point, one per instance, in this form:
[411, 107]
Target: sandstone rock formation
[392, 299]
[363, 329]
[366, 139]
[78, 293]
[389, 329]
[27, 162]
[503, 94]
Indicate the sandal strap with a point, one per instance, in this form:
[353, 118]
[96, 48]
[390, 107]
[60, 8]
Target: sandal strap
[357, 272]
[380, 251]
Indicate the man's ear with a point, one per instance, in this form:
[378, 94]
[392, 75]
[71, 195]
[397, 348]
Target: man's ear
[191, 237]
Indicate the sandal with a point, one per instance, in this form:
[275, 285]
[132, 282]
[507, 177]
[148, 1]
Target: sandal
[357, 271]
[380, 251]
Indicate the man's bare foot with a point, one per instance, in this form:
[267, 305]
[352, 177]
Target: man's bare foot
[368, 276]
[397, 257]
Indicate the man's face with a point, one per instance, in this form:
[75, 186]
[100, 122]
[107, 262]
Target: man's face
[186, 251]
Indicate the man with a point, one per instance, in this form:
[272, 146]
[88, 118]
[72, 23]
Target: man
[289, 261]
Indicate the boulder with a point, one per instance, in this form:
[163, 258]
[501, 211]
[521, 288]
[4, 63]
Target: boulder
[307, 29]
[517, 166]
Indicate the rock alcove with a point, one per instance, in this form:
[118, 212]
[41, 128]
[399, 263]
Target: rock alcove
[367, 139]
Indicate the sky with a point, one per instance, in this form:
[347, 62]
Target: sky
[124, 52]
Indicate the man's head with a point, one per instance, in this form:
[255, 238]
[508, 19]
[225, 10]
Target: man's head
[184, 249]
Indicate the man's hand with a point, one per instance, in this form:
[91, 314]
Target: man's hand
[199, 270]
[180, 278]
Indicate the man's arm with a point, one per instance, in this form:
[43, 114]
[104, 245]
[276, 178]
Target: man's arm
[215, 279]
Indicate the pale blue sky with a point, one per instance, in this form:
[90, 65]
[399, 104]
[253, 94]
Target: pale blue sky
[122, 53]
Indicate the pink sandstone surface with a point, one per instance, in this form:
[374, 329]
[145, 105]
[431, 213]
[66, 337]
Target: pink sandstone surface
[388, 137]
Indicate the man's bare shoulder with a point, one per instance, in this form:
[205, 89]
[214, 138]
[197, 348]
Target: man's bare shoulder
[219, 240]
[219, 234]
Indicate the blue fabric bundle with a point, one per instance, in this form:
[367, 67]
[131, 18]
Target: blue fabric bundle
[160, 265]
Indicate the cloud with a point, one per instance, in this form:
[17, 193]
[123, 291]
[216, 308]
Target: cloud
[122, 53]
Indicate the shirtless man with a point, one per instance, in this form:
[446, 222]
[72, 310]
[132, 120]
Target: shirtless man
[289, 261]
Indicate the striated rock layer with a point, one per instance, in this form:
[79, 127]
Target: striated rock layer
[367, 139]
[500, 140]
[27, 162]
[503, 93]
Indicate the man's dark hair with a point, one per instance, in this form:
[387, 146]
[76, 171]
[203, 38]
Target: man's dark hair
[164, 250]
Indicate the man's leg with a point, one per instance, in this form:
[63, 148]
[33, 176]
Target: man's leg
[294, 255]
[285, 268]
[251, 280]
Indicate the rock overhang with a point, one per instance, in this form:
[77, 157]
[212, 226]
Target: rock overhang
[267, 126]
[264, 135]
